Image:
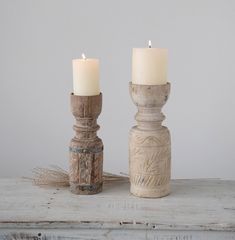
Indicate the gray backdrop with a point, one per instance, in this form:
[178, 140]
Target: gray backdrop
[38, 40]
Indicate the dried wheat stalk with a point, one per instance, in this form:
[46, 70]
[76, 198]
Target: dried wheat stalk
[55, 176]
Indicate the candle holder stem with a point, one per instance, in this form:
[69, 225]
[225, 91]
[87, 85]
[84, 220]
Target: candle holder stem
[86, 149]
[149, 142]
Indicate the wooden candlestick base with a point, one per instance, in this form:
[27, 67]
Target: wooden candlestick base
[149, 142]
[86, 149]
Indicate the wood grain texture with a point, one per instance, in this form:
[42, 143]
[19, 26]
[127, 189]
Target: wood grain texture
[86, 149]
[196, 209]
[112, 234]
[149, 142]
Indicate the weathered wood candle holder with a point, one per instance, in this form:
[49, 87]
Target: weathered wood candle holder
[86, 149]
[149, 142]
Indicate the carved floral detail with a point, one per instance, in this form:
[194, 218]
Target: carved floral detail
[162, 139]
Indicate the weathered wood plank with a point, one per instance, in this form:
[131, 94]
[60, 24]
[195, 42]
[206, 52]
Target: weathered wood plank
[195, 205]
[114, 234]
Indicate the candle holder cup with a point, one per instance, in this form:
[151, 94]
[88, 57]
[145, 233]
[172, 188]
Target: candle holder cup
[86, 149]
[149, 142]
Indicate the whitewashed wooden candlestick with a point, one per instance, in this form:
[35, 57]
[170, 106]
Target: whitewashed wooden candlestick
[86, 149]
[149, 142]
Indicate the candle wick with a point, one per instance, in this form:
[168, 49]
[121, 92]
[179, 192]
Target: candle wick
[83, 56]
[150, 44]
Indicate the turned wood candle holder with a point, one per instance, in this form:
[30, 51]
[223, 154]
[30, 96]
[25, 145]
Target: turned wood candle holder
[149, 142]
[86, 149]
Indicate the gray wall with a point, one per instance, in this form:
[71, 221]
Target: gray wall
[38, 39]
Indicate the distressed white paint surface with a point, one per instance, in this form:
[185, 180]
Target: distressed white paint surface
[117, 234]
[196, 209]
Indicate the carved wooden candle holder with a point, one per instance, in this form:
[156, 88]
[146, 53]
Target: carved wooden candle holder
[86, 149]
[149, 142]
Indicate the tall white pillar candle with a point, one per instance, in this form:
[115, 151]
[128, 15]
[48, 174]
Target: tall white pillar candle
[149, 66]
[86, 77]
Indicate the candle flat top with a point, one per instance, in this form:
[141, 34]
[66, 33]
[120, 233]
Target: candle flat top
[86, 59]
[150, 49]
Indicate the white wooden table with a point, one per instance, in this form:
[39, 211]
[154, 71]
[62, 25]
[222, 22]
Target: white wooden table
[196, 209]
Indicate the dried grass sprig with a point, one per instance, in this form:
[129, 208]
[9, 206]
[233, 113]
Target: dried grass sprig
[55, 176]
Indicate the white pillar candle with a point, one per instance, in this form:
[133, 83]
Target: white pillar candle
[86, 77]
[149, 66]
